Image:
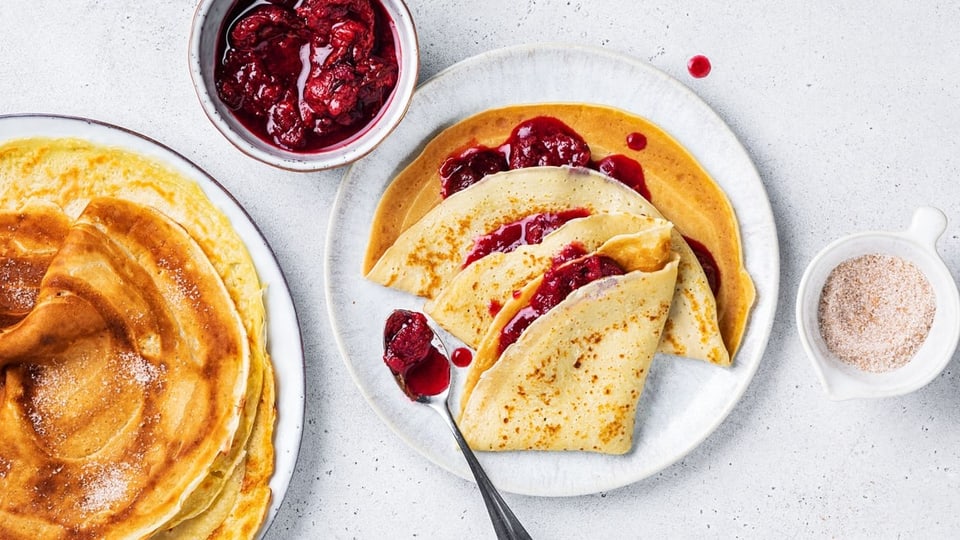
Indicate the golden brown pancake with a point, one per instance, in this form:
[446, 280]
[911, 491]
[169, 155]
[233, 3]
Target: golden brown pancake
[127, 379]
[573, 378]
[680, 189]
[239, 509]
[30, 240]
[66, 174]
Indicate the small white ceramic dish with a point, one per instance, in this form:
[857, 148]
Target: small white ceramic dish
[917, 244]
[208, 20]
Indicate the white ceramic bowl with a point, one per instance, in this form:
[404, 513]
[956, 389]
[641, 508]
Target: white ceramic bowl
[917, 244]
[207, 22]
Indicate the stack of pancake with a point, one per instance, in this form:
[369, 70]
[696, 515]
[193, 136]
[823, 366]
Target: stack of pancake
[136, 393]
[573, 378]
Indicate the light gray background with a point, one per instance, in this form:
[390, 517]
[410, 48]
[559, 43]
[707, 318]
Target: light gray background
[850, 112]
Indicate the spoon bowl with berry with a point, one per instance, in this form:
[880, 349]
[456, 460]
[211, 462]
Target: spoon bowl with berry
[418, 360]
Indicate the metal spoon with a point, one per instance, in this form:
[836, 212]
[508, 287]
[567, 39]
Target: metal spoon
[505, 523]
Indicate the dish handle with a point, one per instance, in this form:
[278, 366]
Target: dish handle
[927, 225]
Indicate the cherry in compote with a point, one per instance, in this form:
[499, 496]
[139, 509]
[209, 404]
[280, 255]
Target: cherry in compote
[459, 172]
[408, 350]
[545, 141]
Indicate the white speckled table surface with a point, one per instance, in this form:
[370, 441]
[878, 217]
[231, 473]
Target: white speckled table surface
[850, 113]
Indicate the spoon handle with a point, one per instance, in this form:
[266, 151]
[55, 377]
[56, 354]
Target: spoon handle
[506, 525]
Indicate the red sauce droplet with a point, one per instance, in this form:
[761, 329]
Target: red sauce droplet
[494, 307]
[636, 141]
[699, 66]
[408, 350]
[545, 141]
[557, 284]
[307, 75]
[469, 167]
[709, 264]
[528, 230]
[627, 171]
[461, 357]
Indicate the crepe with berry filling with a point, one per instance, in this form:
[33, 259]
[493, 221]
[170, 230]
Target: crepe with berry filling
[564, 363]
[428, 256]
[615, 142]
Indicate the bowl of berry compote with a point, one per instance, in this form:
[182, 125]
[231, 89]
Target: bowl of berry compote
[304, 85]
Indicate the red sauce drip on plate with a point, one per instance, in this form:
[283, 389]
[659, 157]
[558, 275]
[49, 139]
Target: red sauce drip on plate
[636, 141]
[528, 230]
[307, 75]
[557, 284]
[709, 264]
[461, 357]
[408, 350]
[699, 66]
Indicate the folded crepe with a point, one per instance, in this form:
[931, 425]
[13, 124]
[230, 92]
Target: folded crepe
[466, 306]
[682, 190]
[63, 175]
[124, 383]
[573, 377]
[426, 258]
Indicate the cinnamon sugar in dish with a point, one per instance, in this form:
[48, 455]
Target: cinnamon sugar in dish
[876, 311]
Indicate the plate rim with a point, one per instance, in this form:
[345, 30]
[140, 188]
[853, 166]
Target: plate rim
[279, 483]
[762, 329]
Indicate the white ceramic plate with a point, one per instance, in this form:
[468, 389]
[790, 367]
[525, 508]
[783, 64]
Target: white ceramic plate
[283, 330]
[684, 400]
